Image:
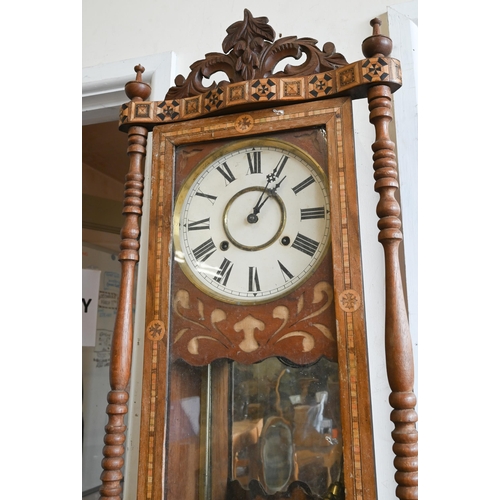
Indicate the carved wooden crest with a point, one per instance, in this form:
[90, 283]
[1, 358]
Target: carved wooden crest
[251, 52]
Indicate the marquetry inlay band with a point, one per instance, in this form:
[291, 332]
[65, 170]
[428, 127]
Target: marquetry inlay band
[349, 301]
[353, 79]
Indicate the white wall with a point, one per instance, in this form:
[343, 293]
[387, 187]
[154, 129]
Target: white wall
[119, 29]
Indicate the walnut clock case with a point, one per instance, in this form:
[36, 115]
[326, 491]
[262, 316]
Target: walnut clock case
[255, 379]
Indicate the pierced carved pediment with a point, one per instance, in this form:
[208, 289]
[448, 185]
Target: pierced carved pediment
[251, 52]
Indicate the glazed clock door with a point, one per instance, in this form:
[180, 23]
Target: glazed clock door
[255, 375]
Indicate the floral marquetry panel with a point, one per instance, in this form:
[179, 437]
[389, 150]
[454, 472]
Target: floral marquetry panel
[300, 329]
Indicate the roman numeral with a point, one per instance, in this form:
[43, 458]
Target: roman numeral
[199, 224]
[226, 173]
[224, 271]
[209, 197]
[305, 244]
[204, 251]
[312, 213]
[285, 271]
[302, 185]
[253, 280]
[254, 164]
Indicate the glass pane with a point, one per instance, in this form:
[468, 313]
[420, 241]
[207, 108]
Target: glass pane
[184, 426]
[286, 425]
[270, 422]
[198, 431]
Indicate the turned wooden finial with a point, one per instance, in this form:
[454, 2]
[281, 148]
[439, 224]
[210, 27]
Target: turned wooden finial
[137, 90]
[375, 24]
[377, 44]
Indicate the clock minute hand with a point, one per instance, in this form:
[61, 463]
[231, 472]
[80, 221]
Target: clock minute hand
[271, 192]
[270, 177]
[252, 218]
[260, 204]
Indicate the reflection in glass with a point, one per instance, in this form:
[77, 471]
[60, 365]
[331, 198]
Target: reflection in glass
[286, 424]
[276, 454]
[270, 422]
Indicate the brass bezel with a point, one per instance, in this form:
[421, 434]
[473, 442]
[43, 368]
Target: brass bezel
[235, 145]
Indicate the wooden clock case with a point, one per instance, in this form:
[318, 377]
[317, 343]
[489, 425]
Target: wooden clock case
[309, 106]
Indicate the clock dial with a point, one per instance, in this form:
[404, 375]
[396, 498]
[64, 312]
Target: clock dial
[252, 222]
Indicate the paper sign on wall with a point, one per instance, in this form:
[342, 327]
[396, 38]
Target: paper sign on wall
[90, 303]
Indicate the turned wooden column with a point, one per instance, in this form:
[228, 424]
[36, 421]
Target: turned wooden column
[121, 347]
[398, 344]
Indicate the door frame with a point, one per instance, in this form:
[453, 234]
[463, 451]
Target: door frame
[102, 95]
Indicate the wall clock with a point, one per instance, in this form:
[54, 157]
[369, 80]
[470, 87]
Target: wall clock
[255, 381]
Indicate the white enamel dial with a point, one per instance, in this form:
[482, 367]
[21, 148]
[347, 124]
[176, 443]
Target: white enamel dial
[252, 222]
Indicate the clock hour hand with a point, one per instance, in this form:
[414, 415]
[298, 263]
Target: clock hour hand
[272, 191]
[252, 218]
